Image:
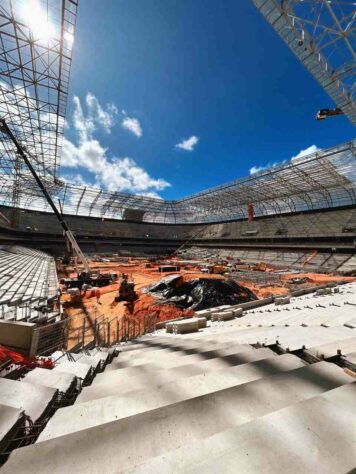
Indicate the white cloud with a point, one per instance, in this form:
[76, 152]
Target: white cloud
[96, 116]
[308, 151]
[257, 169]
[188, 144]
[111, 173]
[150, 194]
[133, 125]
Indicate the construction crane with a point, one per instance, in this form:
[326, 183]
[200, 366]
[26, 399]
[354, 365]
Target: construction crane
[68, 234]
[325, 113]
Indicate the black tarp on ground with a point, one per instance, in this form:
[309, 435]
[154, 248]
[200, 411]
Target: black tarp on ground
[200, 293]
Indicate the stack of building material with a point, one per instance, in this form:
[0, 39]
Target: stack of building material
[323, 291]
[202, 322]
[282, 300]
[238, 312]
[222, 316]
[204, 312]
[169, 327]
[188, 325]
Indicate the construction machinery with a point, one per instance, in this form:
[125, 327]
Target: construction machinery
[126, 290]
[325, 113]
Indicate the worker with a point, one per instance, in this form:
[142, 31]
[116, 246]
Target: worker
[98, 294]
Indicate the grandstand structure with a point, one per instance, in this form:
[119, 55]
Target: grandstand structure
[28, 281]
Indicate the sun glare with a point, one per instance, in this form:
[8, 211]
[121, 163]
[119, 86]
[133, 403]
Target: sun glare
[38, 21]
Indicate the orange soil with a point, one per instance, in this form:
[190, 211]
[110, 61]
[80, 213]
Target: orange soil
[318, 277]
[265, 291]
[90, 309]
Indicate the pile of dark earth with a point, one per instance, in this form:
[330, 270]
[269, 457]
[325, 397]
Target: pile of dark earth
[199, 293]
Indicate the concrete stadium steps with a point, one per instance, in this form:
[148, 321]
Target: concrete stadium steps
[83, 372]
[35, 400]
[278, 442]
[123, 443]
[204, 352]
[289, 338]
[12, 421]
[116, 407]
[64, 382]
[159, 364]
[331, 310]
[27, 404]
[165, 346]
[174, 403]
[326, 351]
[348, 265]
[168, 348]
[304, 260]
[112, 383]
[182, 361]
[26, 277]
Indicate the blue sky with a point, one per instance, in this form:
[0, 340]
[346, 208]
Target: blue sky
[148, 75]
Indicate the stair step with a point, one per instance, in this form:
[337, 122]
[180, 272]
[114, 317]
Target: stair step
[112, 383]
[281, 441]
[152, 433]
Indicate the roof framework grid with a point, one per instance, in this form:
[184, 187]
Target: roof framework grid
[36, 39]
[321, 33]
[325, 179]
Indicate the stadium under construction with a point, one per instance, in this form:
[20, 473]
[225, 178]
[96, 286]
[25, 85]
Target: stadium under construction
[210, 333]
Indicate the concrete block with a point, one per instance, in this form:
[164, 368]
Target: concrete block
[282, 300]
[238, 312]
[186, 326]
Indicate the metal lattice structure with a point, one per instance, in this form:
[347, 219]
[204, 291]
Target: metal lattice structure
[36, 39]
[325, 179]
[321, 33]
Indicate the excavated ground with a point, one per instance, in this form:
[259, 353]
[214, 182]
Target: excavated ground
[90, 310]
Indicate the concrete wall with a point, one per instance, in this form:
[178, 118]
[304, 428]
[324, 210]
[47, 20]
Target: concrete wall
[17, 335]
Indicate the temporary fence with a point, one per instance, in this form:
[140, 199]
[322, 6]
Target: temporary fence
[102, 332]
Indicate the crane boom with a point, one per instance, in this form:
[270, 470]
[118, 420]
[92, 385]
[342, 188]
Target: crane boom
[67, 232]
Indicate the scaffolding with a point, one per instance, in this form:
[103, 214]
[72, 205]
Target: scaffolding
[321, 33]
